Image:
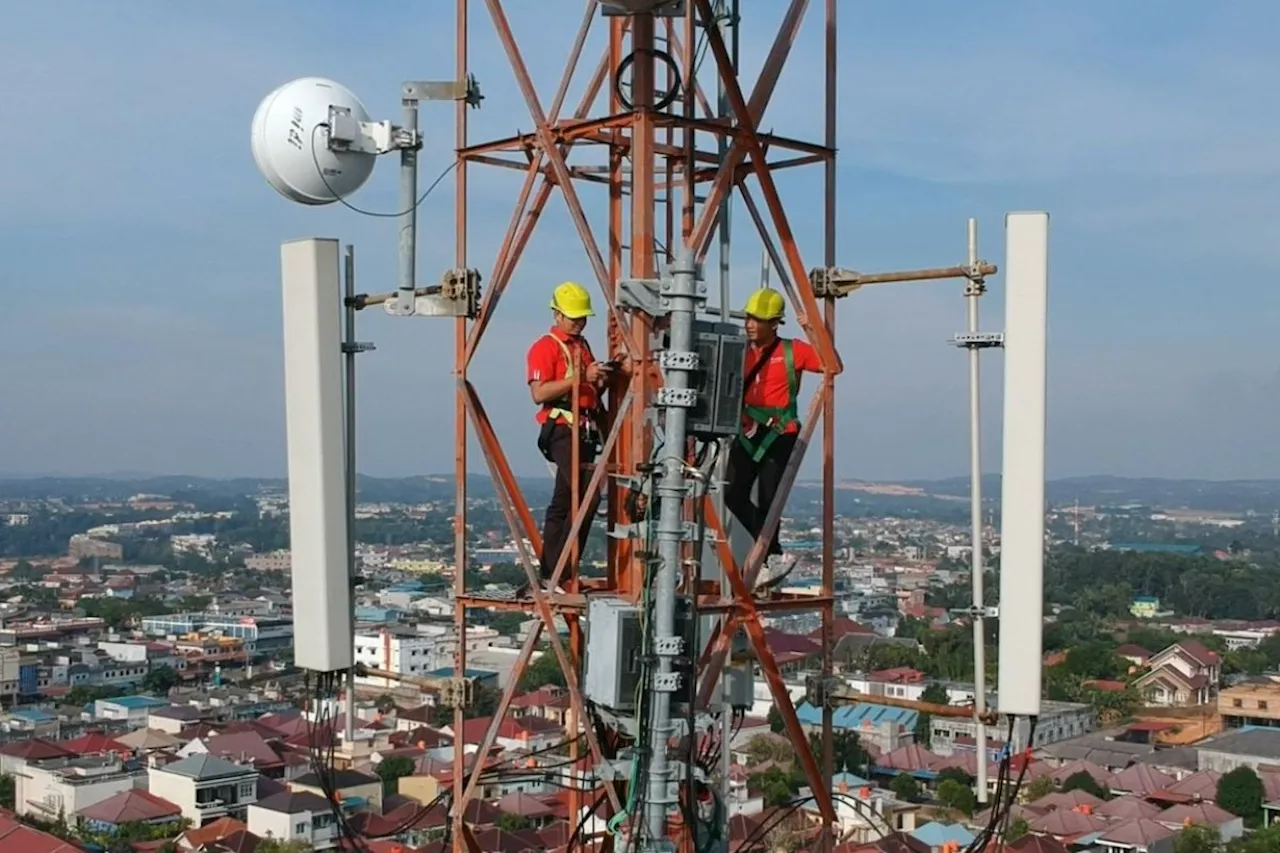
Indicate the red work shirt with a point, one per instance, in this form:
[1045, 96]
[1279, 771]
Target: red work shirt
[769, 388]
[546, 363]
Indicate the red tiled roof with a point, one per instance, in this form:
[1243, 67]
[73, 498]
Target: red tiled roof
[93, 743]
[1204, 814]
[131, 805]
[242, 746]
[1202, 785]
[1140, 779]
[1139, 832]
[898, 675]
[1105, 685]
[546, 696]
[1132, 807]
[1133, 650]
[17, 837]
[1037, 844]
[219, 829]
[793, 645]
[35, 749]
[1067, 824]
[512, 728]
[1068, 800]
[523, 804]
[1196, 650]
[910, 757]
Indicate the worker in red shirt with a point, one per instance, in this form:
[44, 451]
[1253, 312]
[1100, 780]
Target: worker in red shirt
[558, 362]
[770, 423]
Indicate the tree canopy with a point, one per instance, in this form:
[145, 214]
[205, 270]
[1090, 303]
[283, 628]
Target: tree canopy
[1240, 792]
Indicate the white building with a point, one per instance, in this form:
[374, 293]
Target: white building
[396, 650]
[63, 786]
[295, 816]
[200, 544]
[273, 561]
[206, 788]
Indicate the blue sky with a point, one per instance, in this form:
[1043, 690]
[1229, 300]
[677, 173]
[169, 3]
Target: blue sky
[141, 325]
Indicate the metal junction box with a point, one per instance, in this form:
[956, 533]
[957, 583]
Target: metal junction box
[614, 661]
[721, 350]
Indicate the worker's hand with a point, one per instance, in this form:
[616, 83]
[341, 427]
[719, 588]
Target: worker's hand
[598, 372]
[626, 366]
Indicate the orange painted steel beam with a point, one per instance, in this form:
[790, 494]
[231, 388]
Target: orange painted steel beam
[760, 97]
[636, 139]
[810, 318]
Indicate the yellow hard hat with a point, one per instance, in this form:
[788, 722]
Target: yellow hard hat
[572, 300]
[766, 304]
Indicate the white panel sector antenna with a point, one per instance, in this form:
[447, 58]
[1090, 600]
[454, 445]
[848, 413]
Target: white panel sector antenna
[1022, 473]
[290, 142]
[317, 481]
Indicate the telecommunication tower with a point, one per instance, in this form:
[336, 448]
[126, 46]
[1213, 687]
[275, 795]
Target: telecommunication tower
[669, 641]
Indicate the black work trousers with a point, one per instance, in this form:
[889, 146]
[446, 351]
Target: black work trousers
[559, 516]
[765, 475]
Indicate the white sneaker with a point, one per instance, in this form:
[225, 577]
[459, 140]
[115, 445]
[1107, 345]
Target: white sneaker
[775, 570]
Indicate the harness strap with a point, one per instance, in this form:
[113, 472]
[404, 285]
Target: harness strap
[773, 420]
[562, 408]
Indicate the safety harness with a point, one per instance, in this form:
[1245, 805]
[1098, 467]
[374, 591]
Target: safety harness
[773, 421]
[561, 408]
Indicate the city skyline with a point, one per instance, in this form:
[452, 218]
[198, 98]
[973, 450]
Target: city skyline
[143, 309]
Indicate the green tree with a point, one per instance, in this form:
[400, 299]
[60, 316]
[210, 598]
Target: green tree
[774, 718]
[762, 748]
[275, 845]
[513, 822]
[160, 680]
[6, 791]
[391, 770]
[1037, 788]
[1198, 839]
[1018, 828]
[1094, 660]
[24, 572]
[775, 786]
[934, 694]
[911, 628]
[956, 795]
[1241, 793]
[385, 703]
[1263, 840]
[956, 774]
[846, 751]
[541, 672]
[905, 787]
[1113, 705]
[1082, 781]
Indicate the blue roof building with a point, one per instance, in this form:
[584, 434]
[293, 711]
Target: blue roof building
[864, 715]
[127, 707]
[938, 834]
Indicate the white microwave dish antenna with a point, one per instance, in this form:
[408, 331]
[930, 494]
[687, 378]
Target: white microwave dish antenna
[291, 131]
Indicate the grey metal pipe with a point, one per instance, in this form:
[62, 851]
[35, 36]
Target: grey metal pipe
[727, 23]
[349, 435]
[972, 292]
[408, 243]
[681, 292]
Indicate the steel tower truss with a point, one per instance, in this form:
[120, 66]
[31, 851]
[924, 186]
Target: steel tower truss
[654, 199]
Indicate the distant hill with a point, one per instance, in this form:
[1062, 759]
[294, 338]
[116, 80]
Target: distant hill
[928, 497]
[1106, 490]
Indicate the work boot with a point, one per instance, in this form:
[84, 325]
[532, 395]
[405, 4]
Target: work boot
[774, 571]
